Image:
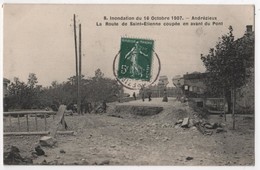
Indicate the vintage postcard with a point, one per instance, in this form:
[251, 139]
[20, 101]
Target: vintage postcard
[129, 85]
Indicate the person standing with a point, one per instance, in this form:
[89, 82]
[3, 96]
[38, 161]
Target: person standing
[134, 96]
[149, 93]
[165, 97]
[150, 96]
[84, 107]
[90, 108]
[143, 94]
[104, 105]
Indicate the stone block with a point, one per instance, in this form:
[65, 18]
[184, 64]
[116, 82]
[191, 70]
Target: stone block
[185, 122]
[48, 141]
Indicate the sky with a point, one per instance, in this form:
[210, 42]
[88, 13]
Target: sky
[39, 38]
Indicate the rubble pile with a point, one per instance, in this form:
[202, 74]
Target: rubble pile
[205, 127]
[12, 157]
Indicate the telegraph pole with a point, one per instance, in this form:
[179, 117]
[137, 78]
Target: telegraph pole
[79, 78]
[76, 59]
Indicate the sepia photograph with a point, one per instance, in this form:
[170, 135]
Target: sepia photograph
[128, 84]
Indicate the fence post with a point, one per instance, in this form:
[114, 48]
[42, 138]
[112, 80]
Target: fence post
[36, 122]
[45, 122]
[63, 122]
[57, 120]
[10, 121]
[18, 116]
[27, 122]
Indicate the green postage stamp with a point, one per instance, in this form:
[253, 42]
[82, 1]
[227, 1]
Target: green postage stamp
[135, 60]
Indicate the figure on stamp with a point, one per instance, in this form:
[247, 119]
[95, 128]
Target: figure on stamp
[132, 55]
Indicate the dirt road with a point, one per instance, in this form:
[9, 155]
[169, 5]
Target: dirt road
[125, 139]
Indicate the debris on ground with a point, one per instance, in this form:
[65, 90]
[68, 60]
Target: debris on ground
[208, 126]
[39, 151]
[205, 127]
[189, 158]
[208, 132]
[179, 121]
[167, 125]
[12, 157]
[84, 162]
[220, 129]
[44, 162]
[185, 122]
[104, 162]
[62, 151]
[34, 155]
[54, 162]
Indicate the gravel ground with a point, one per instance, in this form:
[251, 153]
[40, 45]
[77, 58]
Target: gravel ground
[125, 139]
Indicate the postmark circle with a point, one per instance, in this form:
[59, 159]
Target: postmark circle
[133, 84]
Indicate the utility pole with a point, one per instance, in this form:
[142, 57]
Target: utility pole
[79, 78]
[77, 70]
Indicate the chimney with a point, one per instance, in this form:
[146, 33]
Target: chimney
[249, 28]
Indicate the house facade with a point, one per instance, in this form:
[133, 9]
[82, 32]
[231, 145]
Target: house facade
[194, 84]
[5, 84]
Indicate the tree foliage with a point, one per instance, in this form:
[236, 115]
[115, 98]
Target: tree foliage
[32, 80]
[99, 88]
[22, 95]
[30, 95]
[227, 64]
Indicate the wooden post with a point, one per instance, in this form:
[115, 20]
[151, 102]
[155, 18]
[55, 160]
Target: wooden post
[57, 120]
[18, 116]
[79, 77]
[37, 133]
[45, 122]
[63, 122]
[224, 102]
[36, 122]
[233, 106]
[10, 121]
[27, 123]
[76, 57]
